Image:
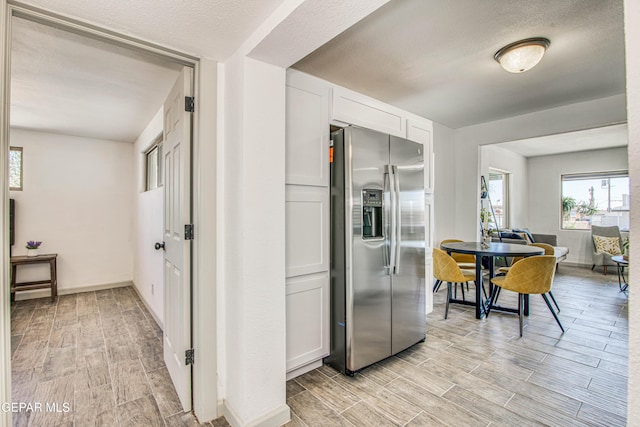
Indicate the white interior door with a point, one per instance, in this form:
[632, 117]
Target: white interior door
[177, 213]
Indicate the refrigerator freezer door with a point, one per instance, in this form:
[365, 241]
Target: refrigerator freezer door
[368, 299]
[408, 280]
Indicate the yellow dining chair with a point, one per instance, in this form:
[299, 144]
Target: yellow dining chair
[464, 261]
[548, 250]
[532, 275]
[445, 269]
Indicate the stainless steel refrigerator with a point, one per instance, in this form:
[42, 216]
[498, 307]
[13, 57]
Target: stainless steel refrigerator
[377, 247]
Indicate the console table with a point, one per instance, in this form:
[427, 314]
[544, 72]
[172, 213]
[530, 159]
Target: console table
[51, 283]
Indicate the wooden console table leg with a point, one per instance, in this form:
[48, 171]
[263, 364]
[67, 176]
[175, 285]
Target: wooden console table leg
[13, 282]
[54, 279]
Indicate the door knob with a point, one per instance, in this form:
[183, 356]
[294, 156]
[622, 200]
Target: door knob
[159, 246]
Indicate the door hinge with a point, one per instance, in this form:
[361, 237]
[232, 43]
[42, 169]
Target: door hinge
[188, 232]
[189, 357]
[189, 104]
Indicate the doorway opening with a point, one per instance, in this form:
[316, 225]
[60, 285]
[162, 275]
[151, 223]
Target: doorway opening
[56, 145]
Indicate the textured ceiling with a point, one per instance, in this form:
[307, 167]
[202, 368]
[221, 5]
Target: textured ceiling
[68, 84]
[590, 139]
[431, 57]
[435, 58]
[209, 28]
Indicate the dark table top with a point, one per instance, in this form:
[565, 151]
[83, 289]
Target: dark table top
[494, 249]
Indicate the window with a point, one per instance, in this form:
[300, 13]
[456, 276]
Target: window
[499, 194]
[595, 199]
[15, 169]
[153, 166]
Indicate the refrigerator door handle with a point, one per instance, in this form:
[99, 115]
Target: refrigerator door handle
[398, 221]
[390, 220]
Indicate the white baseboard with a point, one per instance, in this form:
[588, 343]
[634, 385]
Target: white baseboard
[303, 369]
[42, 293]
[573, 264]
[149, 309]
[277, 417]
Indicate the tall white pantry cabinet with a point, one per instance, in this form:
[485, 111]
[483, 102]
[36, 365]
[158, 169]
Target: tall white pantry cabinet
[312, 105]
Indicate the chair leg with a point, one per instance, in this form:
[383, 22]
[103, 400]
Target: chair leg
[494, 299]
[593, 266]
[605, 270]
[484, 291]
[554, 301]
[494, 294]
[521, 311]
[436, 285]
[552, 311]
[462, 289]
[446, 307]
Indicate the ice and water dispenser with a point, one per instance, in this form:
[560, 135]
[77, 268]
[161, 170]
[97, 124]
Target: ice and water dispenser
[371, 214]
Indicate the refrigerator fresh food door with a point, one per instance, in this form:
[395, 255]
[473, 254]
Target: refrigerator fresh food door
[408, 279]
[368, 296]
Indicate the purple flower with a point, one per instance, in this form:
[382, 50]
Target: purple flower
[31, 244]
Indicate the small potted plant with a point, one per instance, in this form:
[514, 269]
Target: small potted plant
[625, 249]
[32, 247]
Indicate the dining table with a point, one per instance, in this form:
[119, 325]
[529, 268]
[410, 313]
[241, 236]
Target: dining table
[488, 252]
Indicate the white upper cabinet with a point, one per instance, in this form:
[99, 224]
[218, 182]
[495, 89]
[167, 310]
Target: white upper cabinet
[357, 109]
[307, 131]
[421, 130]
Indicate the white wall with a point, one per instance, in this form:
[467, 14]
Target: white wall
[495, 157]
[254, 246]
[579, 116]
[76, 199]
[147, 217]
[545, 194]
[632, 44]
[444, 188]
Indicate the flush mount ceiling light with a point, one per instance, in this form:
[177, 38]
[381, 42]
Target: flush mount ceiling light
[522, 55]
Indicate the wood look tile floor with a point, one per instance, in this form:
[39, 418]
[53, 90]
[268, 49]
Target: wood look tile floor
[481, 372]
[100, 353]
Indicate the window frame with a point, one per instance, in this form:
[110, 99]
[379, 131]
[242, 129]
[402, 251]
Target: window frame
[21, 150]
[602, 175]
[506, 211]
[156, 148]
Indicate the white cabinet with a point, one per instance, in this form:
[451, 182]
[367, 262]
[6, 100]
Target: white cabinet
[307, 221]
[307, 132]
[428, 249]
[428, 283]
[307, 319]
[354, 108]
[421, 130]
[307, 230]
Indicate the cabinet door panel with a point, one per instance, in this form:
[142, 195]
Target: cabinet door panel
[354, 108]
[429, 283]
[307, 135]
[307, 319]
[307, 230]
[422, 131]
